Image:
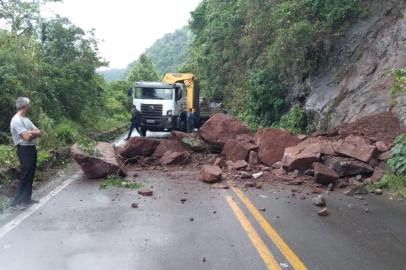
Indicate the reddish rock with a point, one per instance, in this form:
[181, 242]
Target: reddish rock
[219, 162]
[175, 158]
[221, 127]
[385, 155]
[145, 192]
[302, 137]
[138, 147]
[378, 174]
[345, 167]
[236, 165]
[253, 158]
[272, 143]
[355, 147]
[210, 174]
[249, 184]
[99, 166]
[168, 145]
[382, 146]
[301, 157]
[237, 150]
[179, 135]
[323, 174]
[326, 146]
[323, 212]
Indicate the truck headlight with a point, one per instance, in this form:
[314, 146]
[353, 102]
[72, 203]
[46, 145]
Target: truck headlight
[169, 113]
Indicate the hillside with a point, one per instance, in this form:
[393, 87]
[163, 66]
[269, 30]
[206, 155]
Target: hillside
[334, 59]
[113, 74]
[169, 53]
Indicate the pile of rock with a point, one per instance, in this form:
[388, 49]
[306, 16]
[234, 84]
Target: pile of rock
[328, 159]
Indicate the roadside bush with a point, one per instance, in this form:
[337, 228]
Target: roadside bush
[396, 180]
[8, 156]
[294, 120]
[398, 161]
[67, 132]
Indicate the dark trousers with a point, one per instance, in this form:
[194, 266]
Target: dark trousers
[136, 126]
[28, 162]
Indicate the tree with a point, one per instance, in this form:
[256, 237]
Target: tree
[142, 70]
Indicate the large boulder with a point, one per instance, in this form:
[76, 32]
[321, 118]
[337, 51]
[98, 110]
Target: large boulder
[168, 145]
[301, 157]
[345, 167]
[323, 174]
[356, 147]
[175, 158]
[137, 147]
[237, 150]
[210, 174]
[100, 165]
[194, 144]
[221, 127]
[272, 143]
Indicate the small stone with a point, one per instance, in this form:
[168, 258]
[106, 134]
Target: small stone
[359, 190]
[323, 212]
[204, 259]
[191, 219]
[349, 192]
[258, 175]
[262, 209]
[360, 197]
[146, 192]
[134, 205]
[295, 182]
[182, 200]
[250, 184]
[259, 186]
[330, 187]
[316, 190]
[378, 191]
[358, 178]
[219, 186]
[319, 201]
[366, 210]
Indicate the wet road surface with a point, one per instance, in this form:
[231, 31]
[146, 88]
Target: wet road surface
[79, 226]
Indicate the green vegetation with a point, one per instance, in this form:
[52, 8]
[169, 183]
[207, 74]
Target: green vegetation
[142, 69]
[248, 53]
[115, 181]
[294, 120]
[396, 179]
[54, 63]
[169, 53]
[8, 156]
[399, 84]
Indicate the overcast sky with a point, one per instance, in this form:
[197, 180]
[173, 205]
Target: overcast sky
[125, 28]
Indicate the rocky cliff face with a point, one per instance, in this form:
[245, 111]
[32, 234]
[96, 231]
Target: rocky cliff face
[357, 77]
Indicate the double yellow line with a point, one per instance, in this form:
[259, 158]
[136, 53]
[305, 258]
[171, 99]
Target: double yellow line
[256, 240]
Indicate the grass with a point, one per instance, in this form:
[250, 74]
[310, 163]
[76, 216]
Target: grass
[394, 183]
[115, 181]
[3, 202]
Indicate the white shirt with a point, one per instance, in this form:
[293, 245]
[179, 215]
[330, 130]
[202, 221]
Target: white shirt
[18, 125]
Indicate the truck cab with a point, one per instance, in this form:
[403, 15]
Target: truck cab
[161, 105]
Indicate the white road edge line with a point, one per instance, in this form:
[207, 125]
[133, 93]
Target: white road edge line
[31, 210]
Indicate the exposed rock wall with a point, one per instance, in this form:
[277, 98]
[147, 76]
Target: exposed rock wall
[357, 78]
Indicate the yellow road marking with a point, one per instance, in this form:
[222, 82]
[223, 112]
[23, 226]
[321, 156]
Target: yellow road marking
[289, 254]
[256, 240]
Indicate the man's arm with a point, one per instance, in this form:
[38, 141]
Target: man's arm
[31, 134]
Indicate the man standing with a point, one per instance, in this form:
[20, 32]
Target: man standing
[190, 121]
[24, 133]
[135, 122]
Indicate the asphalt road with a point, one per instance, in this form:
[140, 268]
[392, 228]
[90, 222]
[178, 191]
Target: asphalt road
[79, 226]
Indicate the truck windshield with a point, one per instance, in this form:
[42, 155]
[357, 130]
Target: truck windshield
[153, 93]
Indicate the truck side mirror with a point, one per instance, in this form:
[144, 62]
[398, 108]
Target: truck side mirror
[130, 92]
